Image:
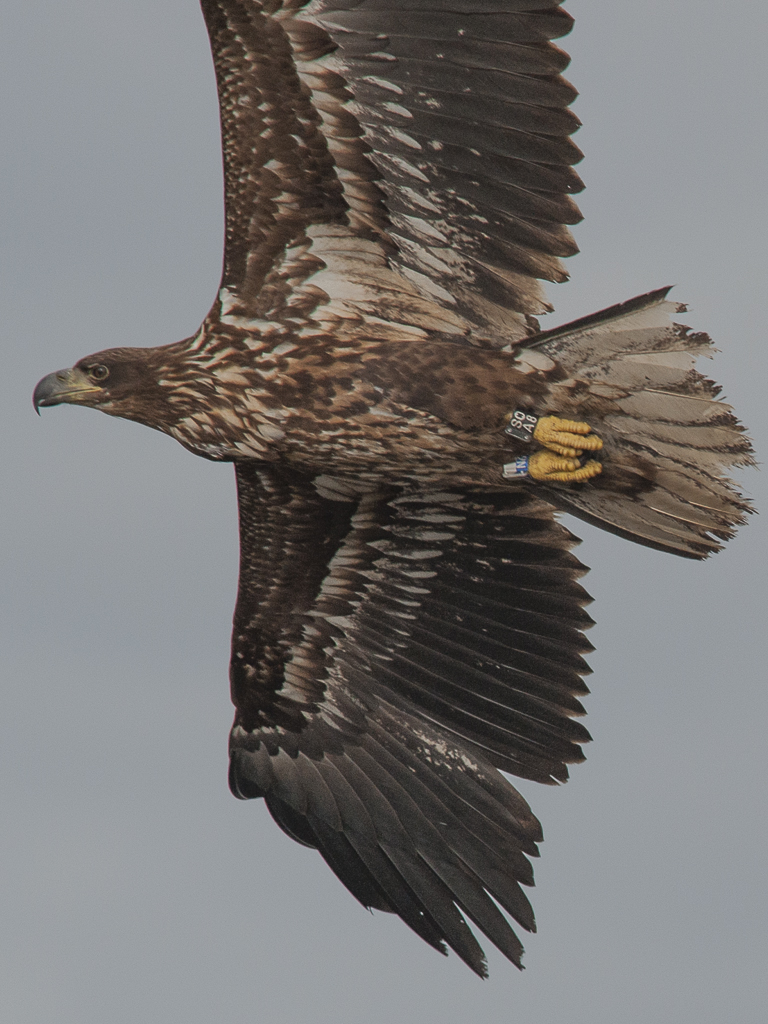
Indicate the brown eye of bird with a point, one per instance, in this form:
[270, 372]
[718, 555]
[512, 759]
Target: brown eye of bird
[99, 372]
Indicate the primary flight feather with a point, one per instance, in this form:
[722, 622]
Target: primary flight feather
[409, 621]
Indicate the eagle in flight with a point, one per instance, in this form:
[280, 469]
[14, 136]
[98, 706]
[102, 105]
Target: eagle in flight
[409, 624]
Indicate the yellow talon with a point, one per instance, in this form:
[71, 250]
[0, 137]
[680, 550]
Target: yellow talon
[545, 466]
[567, 437]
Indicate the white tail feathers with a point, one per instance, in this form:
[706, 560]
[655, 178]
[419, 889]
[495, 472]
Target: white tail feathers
[668, 441]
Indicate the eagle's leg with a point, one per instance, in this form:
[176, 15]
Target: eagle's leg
[544, 465]
[566, 437]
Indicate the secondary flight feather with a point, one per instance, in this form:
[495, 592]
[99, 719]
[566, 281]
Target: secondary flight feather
[409, 622]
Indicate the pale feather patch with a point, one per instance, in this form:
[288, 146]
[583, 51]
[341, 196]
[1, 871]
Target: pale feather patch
[396, 108]
[528, 360]
[383, 83]
[271, 432]
[231, 374]
[339, 489]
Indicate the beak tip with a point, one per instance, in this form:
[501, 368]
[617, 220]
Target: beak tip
[51, 389]
[39, 395]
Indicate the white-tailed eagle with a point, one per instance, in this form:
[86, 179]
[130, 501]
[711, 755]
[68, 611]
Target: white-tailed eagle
[409, 622]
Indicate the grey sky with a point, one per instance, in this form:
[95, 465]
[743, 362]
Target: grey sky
[133, 887]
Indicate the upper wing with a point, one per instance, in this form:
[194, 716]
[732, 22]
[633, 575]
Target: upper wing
[390, 652]
[401, 162]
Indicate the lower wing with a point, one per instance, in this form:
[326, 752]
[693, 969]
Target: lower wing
[391, 651]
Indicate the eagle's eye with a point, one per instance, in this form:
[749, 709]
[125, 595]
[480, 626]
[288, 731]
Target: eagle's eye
[98, 372]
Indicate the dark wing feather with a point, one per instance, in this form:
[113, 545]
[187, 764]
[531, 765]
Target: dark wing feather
[393, 163]
[391, 651]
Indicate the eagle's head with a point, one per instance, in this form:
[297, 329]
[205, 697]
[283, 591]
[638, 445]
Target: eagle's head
[165, 388]
[132, 383]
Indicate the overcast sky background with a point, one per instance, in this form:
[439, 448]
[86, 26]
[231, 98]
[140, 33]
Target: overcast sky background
[133, 887]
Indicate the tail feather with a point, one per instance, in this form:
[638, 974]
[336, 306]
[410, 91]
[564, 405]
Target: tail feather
[669, 441]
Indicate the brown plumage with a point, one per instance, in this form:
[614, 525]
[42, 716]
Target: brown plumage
[409, 620]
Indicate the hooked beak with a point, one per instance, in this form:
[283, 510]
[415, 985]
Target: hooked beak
[70, 386]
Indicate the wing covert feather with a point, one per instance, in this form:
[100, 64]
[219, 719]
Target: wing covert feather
[376, 699]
